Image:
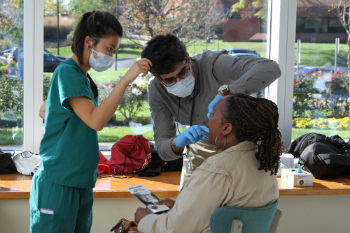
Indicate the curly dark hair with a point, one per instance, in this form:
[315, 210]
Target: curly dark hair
[97, 25]
[256, 120]
[164, 51]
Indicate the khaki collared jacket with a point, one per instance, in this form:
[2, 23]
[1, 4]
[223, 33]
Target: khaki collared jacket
[230, 178]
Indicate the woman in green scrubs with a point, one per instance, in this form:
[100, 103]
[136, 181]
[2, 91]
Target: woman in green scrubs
[61, 195]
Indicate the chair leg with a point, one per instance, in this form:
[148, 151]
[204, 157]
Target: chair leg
[275, 221]
[236, 226]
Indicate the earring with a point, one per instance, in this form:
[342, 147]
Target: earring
[216, 138]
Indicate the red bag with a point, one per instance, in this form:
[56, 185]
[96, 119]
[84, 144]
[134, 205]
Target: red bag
[104, 165]
[130, 154]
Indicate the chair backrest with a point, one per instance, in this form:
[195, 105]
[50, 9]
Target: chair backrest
[255, 220]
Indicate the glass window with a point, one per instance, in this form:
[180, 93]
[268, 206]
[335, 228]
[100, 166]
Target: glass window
[239, 30]
[321, 83]
[11, 75]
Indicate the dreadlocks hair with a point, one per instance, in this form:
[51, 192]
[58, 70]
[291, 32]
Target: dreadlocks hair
[256, 120]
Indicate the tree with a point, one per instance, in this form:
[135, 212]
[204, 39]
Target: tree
[185, 18]
[50, 7]
[11, 21]
[249, 8]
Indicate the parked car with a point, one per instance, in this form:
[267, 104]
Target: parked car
[245, 55]
[13, 54]
[6, 54]
[62, 58]
[238, 52]
[232, 51]
[3, 59]
[50, 62]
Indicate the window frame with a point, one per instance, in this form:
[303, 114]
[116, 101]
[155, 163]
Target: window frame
[281, 26]
[33, 40]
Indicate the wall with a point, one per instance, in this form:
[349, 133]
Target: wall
[302, 214]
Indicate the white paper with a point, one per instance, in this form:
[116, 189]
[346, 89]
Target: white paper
[147, 198]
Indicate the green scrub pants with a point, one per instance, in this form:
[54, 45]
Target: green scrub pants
[59, 208]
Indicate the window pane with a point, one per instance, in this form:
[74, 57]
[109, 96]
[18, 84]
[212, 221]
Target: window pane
[321, 83]
[201, 25]
[11, 75]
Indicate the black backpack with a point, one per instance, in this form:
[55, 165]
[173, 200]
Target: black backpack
[157, 165]
[6, 164]
[325, 157]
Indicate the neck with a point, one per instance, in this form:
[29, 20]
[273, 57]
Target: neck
[231, 141]
[86, 67]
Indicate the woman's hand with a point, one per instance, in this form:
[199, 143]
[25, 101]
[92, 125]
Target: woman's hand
[138, 67]
[140, 213]
[166, 201]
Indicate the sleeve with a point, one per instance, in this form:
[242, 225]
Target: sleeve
[246, 74]
[163, 124]
[202, 195]
[71, 83]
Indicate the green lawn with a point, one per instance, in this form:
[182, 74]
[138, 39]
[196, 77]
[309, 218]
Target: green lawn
[345, 134]
[9, 137]
[108, 76]
[114, 133]
[126, 49]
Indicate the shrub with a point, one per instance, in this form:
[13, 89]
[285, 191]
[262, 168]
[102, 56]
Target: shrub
[11, 95]
[132, 101]
[322, 123]
[3, 70]
[310, 101]
[47, 80]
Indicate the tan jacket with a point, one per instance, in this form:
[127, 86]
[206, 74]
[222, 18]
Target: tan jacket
[230, 178]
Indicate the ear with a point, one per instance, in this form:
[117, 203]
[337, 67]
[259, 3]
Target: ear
[189, 59]
[228, 128]
[88, 42]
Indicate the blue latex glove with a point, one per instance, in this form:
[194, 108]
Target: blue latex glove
[191, 135]
[212, 104]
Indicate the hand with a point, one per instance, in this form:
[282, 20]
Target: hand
[166, 201]
[191, 135]
[138, 67]
[140, 213]
[212, 104]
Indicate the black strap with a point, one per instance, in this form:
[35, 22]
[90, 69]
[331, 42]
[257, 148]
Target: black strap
[334, 160]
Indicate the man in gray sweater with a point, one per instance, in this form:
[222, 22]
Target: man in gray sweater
[183, 87]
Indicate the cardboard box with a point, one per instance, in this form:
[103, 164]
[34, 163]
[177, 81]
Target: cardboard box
[287, 159]
[295, 178]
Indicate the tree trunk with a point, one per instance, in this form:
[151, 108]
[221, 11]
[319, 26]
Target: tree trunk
[348, 62]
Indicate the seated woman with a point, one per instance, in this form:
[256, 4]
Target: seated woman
[243, 174]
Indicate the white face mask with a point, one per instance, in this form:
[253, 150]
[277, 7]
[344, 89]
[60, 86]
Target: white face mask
[183, 88]
[102, 62]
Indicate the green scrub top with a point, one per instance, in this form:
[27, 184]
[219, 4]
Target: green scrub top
[69, 148]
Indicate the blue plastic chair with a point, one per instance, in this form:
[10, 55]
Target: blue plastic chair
[232, 219]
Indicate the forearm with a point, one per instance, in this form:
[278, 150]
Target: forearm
[258, 77]
[176, 150]
[103, 113]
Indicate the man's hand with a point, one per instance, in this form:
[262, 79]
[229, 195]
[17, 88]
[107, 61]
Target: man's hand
[213, 102]
[166, 201]
[191, 135]
[140, 213]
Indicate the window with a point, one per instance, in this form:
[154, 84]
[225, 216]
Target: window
[11, 75]
[321, 83]
[221, 36]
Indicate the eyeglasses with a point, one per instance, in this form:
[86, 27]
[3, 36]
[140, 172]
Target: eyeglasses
[168, 82]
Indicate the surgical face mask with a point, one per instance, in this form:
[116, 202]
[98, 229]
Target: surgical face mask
[102, 62]
[183, 88]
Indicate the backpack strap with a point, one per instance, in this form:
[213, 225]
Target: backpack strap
[334, 160]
